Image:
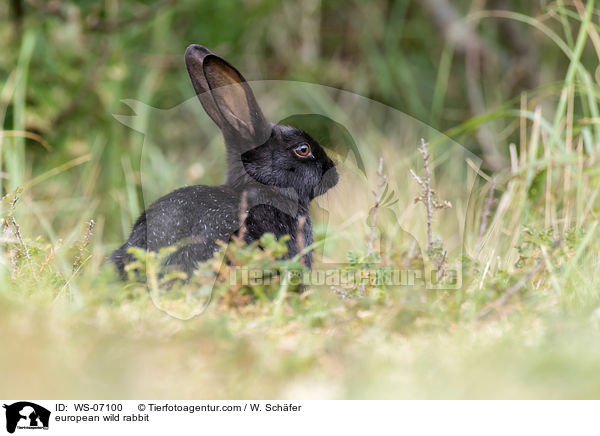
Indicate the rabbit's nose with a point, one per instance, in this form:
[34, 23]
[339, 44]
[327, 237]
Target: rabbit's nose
[330, 177]
[327, 165]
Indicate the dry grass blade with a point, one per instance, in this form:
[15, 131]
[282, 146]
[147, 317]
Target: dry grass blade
[28, 135]
[83, 245]
[17, 230]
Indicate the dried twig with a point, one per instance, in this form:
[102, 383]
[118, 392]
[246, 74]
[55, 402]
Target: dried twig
[11, 212]
[13, 263]
[6, 224]
[17, 231]
[429, 198]
[83, 245]
[426, 185]
[381, 179]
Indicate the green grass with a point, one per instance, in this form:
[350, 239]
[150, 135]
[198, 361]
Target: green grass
[525, 323]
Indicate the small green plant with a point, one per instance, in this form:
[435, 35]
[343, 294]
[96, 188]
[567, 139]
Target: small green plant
[236, 275]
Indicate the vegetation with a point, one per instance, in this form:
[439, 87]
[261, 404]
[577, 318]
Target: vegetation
[517, 84]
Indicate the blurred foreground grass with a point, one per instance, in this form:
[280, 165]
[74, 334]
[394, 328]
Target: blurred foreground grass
[70, 329]
[112, 346]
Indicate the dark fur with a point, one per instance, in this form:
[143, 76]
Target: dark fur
[261, 162]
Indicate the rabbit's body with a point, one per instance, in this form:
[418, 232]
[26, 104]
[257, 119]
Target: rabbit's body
[274, 170]
[195, 217]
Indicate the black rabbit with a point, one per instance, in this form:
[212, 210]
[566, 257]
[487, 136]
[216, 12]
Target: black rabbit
[279, 168]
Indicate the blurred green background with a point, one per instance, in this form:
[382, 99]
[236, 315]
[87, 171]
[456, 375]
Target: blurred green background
[65, 66]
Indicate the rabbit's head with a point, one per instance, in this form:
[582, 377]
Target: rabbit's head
[290, 158]
[257, 151]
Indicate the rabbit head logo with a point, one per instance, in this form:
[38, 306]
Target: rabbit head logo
[26, 415]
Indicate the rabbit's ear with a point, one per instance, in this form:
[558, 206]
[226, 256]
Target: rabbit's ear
[235, 101]
[226, 96]
[194, 58]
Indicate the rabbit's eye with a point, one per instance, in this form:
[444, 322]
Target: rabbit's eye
[303, 150]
